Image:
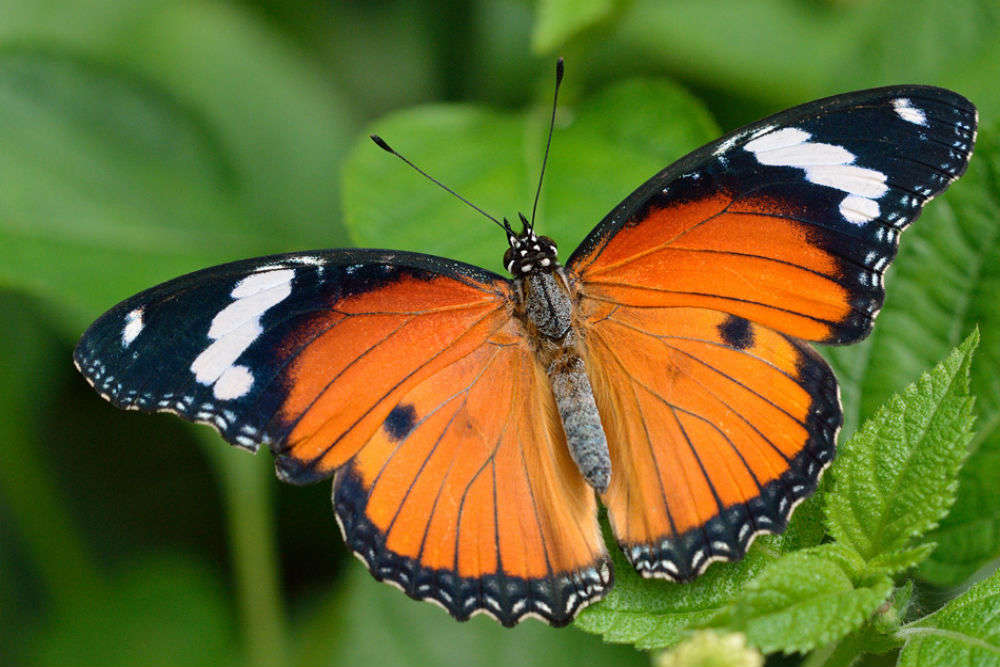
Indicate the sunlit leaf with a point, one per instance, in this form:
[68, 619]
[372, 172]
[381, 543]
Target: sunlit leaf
[896, 478]
[966, 631]
[806, 599]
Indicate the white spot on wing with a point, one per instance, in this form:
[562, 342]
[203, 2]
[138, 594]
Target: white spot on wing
[806, 154]
[234, 382]
[235, 328]
[911, 114]
[824, 164]
[786, 136]
[850, 179]
[307, 259]
[133, 327]
[859, 210]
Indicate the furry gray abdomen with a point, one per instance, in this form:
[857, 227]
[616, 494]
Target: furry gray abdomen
[581, 421]
[549, 308]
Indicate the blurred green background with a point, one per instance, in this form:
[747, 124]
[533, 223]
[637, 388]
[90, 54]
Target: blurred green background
[141, 139]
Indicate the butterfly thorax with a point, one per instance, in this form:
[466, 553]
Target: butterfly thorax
[546, 308]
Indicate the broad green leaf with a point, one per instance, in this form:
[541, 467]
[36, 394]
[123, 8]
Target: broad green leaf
[876, 637]
[901, 560]
[110, 185]
[367, 623]
[897, 476]
[745, 46]
[164, 610]
[970, 535]
[966, 631]
[615, 141]
[278, 114]
[652, 613]
[560, 20]
[805, 599]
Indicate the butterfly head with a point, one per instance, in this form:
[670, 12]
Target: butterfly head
[528, 252]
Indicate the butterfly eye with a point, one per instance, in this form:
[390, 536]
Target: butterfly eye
[548, 245]
[508, 258]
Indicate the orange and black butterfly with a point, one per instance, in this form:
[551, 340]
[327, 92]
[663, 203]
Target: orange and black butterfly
[471, 421]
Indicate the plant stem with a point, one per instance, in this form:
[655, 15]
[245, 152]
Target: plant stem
[246, 483]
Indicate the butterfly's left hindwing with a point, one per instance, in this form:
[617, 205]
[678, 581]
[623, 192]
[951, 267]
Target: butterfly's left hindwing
[717, 428]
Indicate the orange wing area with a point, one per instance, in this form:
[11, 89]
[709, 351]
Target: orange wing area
[751, 257]
[465, 494]
[716, 426]
[354, 360]
[419, 392]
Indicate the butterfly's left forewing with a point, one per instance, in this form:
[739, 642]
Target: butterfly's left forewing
[790, 222]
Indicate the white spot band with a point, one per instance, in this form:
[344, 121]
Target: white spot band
[235, 328]
[825, 164]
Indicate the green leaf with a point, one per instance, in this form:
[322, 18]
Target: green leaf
[559, 20]
[969, 536]
[966, 631]
[743, 47]
[805, 599]
[110, 185]
[895, 562]
[164, 610]
[367, 623]
[652, 613]
[877, 635]
[615, 141]
[897, 476]
[274, 108]
[42, 548]
[278, 113]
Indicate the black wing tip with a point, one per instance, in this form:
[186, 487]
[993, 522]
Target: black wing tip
[556, 599]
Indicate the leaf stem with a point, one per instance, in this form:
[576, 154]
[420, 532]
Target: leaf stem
[246, 484]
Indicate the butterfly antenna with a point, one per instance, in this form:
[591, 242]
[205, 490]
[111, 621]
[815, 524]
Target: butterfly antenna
[552, 124]
[380, 142]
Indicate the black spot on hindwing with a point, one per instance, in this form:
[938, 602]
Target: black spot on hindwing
[736, 332]
[400, 421]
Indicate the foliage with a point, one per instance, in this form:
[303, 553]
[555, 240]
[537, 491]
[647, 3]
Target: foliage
[956, 633]
[146, 138]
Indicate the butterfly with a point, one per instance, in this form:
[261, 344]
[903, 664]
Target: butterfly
[471, 421]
